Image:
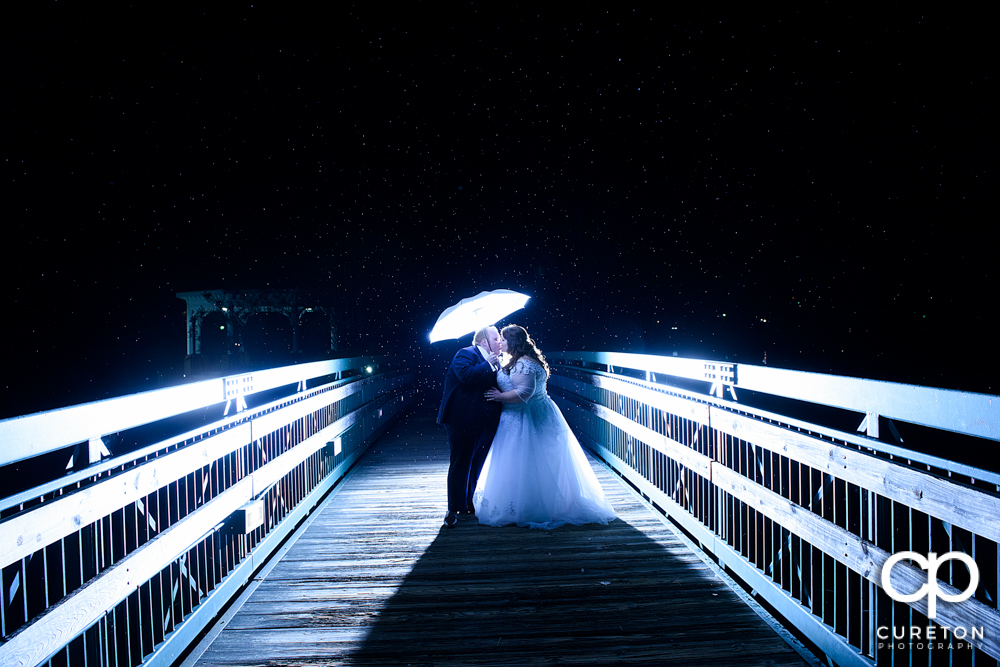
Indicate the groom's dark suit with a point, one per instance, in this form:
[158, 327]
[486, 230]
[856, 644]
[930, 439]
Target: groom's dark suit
[470, 421]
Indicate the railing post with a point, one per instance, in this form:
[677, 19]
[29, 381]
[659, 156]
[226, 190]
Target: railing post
[110, 551]
[847, 503]
[869, 425]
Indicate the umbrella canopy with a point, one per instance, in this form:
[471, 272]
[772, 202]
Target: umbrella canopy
[474, 313]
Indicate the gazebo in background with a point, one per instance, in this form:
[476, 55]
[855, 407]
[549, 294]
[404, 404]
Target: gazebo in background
[233, 330]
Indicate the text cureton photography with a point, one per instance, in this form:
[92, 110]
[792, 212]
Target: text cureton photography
[932, 636]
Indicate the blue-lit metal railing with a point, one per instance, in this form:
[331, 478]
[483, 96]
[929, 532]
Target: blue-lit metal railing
[771, 473]
[127, 557]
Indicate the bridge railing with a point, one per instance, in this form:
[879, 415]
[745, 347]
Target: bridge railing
[785, 478]
[125, 556]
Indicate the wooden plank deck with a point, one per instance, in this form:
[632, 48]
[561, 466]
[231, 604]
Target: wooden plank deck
[376, 580]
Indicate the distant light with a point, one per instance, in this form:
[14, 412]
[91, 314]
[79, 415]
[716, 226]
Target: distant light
[225, 310]
[369, 369]
[222, 328]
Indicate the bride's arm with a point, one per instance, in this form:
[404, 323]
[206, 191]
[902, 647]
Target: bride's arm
[524, 388]
[503, 397]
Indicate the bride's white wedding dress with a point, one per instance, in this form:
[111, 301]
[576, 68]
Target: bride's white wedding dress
[536, 473]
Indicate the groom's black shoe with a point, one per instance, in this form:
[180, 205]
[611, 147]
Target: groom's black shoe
[451, 520]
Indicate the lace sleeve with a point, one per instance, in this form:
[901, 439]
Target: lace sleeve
[524, 381]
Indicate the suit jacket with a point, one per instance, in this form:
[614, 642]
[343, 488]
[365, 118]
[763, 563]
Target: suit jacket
[463, 406]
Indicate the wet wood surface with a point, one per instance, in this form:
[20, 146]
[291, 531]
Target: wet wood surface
[377, 580]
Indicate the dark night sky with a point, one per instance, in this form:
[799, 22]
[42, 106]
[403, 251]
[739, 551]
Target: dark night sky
[813, 184]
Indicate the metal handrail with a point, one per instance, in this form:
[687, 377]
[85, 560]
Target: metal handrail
[968, 413]
[863, 441]
[32, 435]
[150, 544]
[803, 514]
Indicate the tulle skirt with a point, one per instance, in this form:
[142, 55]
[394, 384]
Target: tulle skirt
[536, 474]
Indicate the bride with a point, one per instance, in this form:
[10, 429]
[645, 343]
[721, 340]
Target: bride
[536, 473]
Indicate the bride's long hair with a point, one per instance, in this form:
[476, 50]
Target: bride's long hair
[520, 344]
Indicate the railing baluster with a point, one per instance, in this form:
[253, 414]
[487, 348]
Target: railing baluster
[811, 468]
[169, 598]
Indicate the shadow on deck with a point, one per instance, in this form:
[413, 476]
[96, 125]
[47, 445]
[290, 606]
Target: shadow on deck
[373, 578]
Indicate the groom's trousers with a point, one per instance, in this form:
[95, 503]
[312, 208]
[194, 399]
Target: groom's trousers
[468, 453]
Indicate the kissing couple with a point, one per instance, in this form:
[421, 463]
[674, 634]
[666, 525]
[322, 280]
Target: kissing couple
[514, 459]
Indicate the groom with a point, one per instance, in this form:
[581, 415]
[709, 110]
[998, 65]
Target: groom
[470, 420]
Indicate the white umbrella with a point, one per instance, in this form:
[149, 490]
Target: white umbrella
[474, 313]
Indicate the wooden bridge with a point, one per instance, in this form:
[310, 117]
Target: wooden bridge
[373, 578]
[294, 516]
